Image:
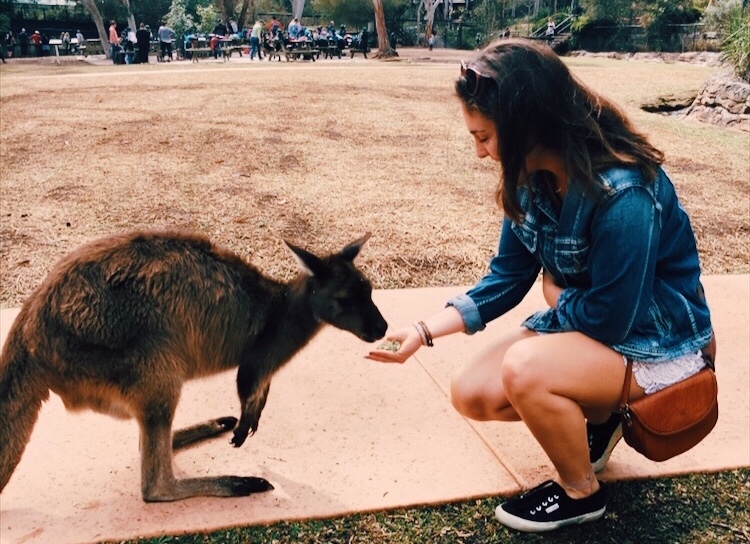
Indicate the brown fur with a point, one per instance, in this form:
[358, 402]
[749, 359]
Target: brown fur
[121, 323]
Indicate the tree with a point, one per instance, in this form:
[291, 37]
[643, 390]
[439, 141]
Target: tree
[179, 19]
[206, 18]
[353, 12]
[131, 18]
[610, 10]
[384, 45]
[298, 6]
[247, 5]
[93, 10]
[429, 7]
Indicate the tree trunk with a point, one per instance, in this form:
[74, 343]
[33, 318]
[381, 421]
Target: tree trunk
[90, 7]
[247, 6]
[298, 6]
[384, 46]
[131, 17]
[430, 18]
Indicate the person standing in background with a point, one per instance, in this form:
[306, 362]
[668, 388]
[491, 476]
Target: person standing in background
[255, 35]
[80, 42]
[114, 41]
[23, 42]
[10, 43]
[36, 40]
[166, 37]
[143, 44]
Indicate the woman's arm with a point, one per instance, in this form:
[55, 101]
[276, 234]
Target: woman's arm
[512, 273]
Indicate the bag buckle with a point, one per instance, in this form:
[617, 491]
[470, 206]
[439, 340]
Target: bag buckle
[625, 412]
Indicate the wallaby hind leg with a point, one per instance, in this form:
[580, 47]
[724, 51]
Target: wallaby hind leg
[158, 483]
[201, 431]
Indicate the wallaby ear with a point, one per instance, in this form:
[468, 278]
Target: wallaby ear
[352, 250]
[308, 262]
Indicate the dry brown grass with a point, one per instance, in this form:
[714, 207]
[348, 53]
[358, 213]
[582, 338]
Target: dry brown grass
[314, 153]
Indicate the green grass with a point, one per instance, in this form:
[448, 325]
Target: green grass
[694, 509]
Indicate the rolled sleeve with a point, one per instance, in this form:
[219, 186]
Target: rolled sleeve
[469, 312]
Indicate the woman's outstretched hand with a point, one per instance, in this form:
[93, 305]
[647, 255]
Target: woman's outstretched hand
[407, 340]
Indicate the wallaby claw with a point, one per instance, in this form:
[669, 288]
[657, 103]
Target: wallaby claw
[240, 435]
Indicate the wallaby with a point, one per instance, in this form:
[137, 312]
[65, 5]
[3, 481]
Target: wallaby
[121, 323]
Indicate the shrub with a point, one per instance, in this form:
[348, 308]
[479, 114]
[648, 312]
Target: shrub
[662, 20]
[736, 46]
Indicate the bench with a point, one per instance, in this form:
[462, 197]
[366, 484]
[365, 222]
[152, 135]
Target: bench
[331, 50]
[354, 51]
[228, 50]
[197, 53]
[302, 53]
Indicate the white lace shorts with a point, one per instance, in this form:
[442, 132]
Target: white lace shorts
[653, 377]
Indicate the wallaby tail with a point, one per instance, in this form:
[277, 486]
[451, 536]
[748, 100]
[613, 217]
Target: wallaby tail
[21, 396]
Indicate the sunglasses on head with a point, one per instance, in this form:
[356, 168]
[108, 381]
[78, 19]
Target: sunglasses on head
[473, 78]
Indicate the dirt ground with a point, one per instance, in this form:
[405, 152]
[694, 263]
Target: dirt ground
[317, 153]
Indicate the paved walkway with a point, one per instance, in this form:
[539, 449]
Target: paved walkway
[340, 434]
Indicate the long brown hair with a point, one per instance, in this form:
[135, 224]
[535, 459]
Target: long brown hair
[533, 98]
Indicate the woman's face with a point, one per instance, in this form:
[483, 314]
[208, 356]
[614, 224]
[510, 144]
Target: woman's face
[484, 133]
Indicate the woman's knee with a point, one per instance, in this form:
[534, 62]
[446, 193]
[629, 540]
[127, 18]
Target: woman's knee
[471, 397]
[519, 374]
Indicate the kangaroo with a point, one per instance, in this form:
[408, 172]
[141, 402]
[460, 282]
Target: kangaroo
[121, 323]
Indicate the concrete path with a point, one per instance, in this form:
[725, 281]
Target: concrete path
[340, 434]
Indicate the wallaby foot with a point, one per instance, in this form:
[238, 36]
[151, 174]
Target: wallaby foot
[220, 486]
[158, 483]
[201, 431]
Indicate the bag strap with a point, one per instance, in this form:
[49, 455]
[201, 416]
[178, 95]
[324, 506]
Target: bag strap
[624, 408]
[709, 353]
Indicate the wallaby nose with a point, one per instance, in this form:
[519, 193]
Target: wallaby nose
[382, 327]
[377, 330]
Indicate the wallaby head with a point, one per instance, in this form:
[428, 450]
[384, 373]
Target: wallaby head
[339, 293]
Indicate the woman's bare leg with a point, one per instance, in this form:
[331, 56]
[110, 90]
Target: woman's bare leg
[477, 391]
[552, 382]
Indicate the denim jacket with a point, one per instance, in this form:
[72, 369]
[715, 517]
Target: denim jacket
[627, 263]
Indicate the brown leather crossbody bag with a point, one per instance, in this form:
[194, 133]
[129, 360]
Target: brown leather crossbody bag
[674, 419]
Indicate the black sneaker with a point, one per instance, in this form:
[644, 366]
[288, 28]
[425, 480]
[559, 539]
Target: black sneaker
[602, 440]
[548, 507]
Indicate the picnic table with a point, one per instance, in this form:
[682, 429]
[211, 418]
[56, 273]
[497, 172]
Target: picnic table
[301, 49]
[200, 48]
[354, 50]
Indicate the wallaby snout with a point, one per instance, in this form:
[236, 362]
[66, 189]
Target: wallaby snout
[374, 326]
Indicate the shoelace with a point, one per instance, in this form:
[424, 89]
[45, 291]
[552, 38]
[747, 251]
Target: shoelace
[551, 501]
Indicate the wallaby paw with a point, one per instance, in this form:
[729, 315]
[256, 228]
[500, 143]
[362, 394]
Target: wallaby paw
[226, 423]
[240, 435]
[243, 486]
